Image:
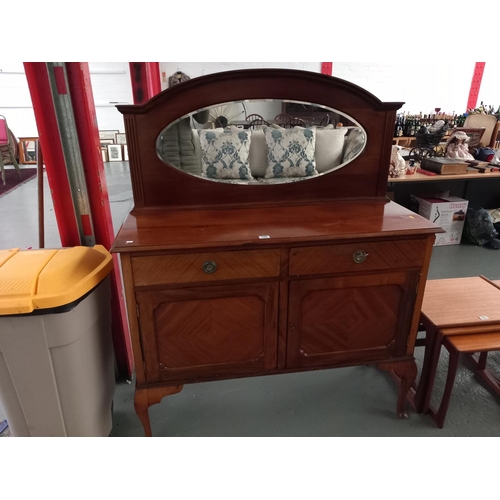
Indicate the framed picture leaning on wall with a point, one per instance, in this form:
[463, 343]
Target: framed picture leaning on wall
[121, 138]
[108, 134]
[104, 153]
[115, 152]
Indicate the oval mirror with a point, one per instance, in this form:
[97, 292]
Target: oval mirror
[261, 142]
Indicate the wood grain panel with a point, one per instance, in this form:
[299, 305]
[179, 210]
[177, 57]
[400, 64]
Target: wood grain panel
[476, 343]
[461, 302]
[170, 230]
[339, 319]
[339, 258]
[210, 331]
[188, 268]
[194, 332]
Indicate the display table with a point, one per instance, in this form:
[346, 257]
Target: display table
[418, 177]
[480, 189]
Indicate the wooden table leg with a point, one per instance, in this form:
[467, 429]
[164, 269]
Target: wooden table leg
[146, 397]
[407, 373]
[479, 362]
[439, 415]
[431, 370]
[421, 389]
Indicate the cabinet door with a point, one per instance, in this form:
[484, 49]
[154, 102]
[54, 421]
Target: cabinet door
[204, 332]
[350, 319]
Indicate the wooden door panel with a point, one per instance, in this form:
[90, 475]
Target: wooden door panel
[209, 331]
[345, 319]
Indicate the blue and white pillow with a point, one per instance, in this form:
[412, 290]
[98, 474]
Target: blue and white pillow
[224, 153]
[354, 144]
[290, 152]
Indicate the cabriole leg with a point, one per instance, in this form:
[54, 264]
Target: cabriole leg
[146, 397]
[407, 372]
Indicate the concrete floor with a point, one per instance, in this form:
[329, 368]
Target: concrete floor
[358, 401]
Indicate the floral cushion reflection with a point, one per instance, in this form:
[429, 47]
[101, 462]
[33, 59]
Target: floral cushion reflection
[290, 152]
[224, 153]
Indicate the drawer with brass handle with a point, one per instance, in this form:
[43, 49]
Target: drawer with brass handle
[205, 266]
[362, 256]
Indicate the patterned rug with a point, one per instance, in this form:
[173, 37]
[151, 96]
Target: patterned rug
[12, 180]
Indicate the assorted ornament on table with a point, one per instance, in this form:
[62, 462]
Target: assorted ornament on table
[457, 146]
[398, 165]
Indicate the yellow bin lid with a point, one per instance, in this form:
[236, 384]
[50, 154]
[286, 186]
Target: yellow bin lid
[43, 279]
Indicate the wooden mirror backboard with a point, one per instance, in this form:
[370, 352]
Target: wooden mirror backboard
[157, 185]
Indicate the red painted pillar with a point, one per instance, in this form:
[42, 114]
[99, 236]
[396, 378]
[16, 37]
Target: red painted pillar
[88, 137]
[50, 141]
[145, 79]
[327, 68]
[475, 85]
[82, 103]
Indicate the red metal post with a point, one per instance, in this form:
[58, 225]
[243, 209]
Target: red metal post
[145, 79]
[475, 85]
[50, 141]
[327, 68]
[82, 103]
[88, 136]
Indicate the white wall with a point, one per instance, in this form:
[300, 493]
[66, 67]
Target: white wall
[422, 86]
[194, 69]
[110, 83]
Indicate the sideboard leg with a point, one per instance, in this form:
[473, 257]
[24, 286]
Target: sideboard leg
[407, 372]
[144, 398]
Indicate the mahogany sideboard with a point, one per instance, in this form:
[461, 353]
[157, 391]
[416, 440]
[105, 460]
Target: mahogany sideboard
[225, 280]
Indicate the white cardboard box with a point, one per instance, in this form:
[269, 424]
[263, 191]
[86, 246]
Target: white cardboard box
[446, 211]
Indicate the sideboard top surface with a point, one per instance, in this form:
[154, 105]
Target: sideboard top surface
[250, 227]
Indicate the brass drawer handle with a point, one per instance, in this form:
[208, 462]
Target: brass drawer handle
[359, 256]
[209, 266]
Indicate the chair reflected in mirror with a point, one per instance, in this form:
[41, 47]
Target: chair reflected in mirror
[282, 118]
[295, 122]
[258, 123]
[252, 117]
[325, 121]
[7, 148]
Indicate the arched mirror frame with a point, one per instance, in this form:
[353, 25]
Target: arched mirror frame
[156, 186]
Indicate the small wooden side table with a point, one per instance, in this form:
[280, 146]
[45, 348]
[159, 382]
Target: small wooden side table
[452, 307]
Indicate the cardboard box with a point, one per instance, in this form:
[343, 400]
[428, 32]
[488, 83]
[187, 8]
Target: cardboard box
[446, 211]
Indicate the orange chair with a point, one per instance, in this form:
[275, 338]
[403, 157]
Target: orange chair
[7, 149]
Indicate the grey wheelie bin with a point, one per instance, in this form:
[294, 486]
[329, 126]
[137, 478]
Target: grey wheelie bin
[56, 353]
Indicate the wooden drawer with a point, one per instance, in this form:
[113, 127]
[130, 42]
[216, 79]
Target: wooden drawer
[362, 256]
[189, 268]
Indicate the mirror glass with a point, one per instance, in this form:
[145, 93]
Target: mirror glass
[261, 142]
